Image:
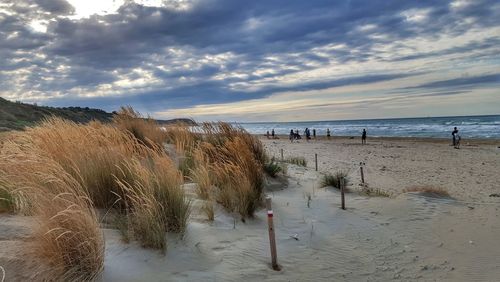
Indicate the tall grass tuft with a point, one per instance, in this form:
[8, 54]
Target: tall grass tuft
[272, 168]
[68, 237]
[91, 153]
[146, 130]
[227, 164]
[155, 200]
[333, 180]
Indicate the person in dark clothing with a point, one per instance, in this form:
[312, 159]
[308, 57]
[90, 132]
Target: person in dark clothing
[272, 133]
[307, 133]
[454, 133]
[314, 133]
[363, 137]
[328, 133]
[267, 134]
[292, 135]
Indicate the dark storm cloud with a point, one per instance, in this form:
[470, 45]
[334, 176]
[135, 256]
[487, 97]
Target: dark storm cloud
[177, 45]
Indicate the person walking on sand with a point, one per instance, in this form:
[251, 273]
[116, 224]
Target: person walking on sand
[363, 137]
[308, 134]
[314, 133]
[454, 133]
[328, 133]
[272, 133]
[292, 135]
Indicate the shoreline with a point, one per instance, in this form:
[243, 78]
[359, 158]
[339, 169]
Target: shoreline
[353, 139]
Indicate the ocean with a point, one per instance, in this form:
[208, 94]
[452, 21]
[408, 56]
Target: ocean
[433, 127]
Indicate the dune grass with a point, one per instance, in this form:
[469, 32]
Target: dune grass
[334, 179]
[62, 171]
[300, 161]
[272, 168]
[429, 190]
[7, 201]
[146, 130]
[68, 237]
[227, 164]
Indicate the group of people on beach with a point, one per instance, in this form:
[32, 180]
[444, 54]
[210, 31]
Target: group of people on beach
[294, 135]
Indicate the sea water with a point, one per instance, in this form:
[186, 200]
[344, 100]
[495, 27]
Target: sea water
[434, 127]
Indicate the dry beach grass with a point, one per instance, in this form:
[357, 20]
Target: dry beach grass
[61, 172]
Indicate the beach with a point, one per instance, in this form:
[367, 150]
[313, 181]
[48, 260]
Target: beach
[404, 237]
[395, 164]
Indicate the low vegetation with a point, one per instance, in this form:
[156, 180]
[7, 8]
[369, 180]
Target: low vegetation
[429, 190]
[301, 161]
[272, 168]
[334, 179]
[375, 192]
[7, 203]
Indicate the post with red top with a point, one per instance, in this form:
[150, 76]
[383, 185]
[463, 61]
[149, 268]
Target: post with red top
[342, 187]
[272, 239]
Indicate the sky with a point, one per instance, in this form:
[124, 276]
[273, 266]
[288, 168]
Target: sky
[259, 60]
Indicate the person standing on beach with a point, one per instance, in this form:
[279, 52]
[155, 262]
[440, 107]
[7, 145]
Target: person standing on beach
[314, 133]
[292, 135]
[267, 134]
[363, 137]
[272, 133]
[328, 133]
[454, 133]
[308, 134]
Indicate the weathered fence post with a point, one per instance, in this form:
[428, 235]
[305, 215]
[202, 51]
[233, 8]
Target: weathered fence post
[362, 174]
[342, 187]
[316, 160]
[272, 239]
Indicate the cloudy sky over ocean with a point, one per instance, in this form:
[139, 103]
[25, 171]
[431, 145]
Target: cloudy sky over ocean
[255, 60]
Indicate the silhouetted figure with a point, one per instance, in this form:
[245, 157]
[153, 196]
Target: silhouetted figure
[314, 133]
[272, 133]
[292, 135]
[454, 136]
[363, 137]
[267, 134]
[297, 135]
[328, 133]
[308, 134]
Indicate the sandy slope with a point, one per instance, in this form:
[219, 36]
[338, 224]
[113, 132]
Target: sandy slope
[405, 238]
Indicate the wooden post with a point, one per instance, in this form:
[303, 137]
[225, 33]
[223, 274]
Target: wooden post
[272, 239]
[342, 184]
[282, 155]
[316, 160]
[362, 175]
